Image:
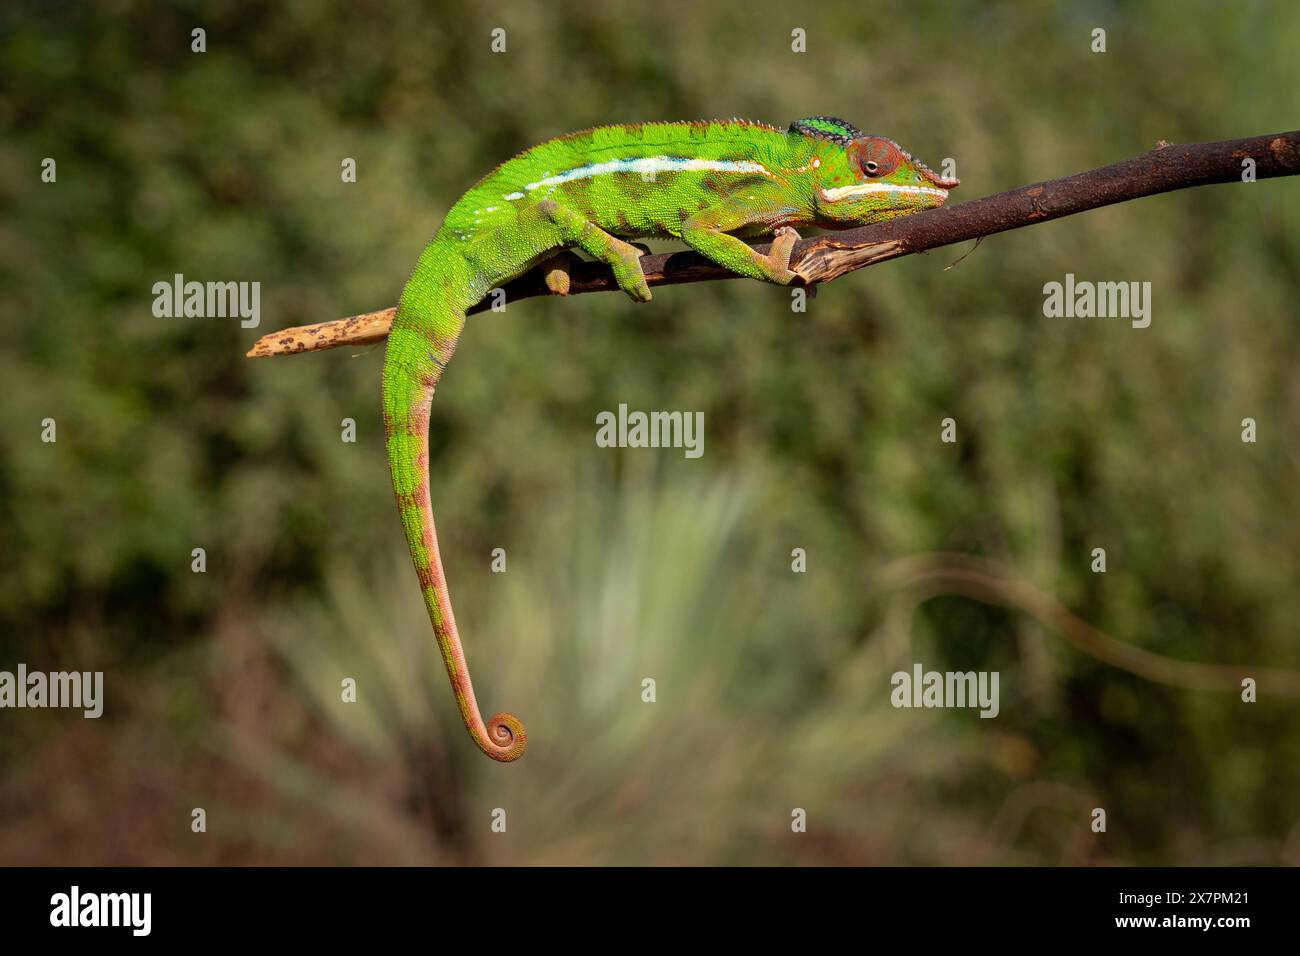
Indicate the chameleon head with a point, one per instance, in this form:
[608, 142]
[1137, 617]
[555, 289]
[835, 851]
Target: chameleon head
[878, 180]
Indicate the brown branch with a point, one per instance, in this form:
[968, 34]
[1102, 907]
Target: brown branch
[938, 573]
[826, 257]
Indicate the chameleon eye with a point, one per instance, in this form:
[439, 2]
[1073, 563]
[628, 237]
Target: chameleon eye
[877, 157]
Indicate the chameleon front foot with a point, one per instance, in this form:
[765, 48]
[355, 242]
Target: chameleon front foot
[778, 256]
[782, 248]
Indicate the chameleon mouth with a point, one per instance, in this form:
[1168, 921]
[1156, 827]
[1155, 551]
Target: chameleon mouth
[886, 189]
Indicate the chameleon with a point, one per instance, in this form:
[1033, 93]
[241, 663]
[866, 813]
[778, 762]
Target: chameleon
[708, 184]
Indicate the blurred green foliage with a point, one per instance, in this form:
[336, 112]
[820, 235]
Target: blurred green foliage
[822, 433]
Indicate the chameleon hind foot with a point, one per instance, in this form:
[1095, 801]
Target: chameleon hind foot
[628, 274]
[623, 258]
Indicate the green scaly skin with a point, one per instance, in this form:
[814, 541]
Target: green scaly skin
[705, 183]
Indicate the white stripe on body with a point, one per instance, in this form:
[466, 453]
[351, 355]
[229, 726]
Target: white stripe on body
[645, 165]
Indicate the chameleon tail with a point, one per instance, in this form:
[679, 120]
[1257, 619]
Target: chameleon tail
[420, 344]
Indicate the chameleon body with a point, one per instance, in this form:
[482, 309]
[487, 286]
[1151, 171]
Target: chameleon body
[705, 183]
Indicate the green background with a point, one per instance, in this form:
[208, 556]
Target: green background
[223, 688]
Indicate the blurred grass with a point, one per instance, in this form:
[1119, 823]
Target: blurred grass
[822, 433]
[638, 583]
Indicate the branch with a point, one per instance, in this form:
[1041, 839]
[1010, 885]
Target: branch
[826, 257]
[938, 574]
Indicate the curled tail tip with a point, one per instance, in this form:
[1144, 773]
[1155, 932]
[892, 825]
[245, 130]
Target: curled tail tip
[506, 738]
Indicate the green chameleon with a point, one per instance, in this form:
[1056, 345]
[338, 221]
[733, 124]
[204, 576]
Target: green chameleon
[705, 183]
